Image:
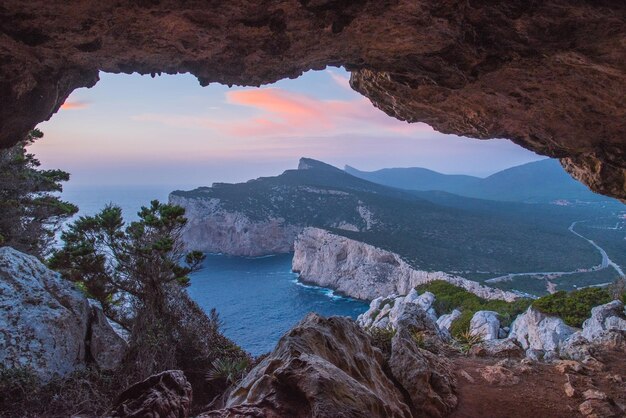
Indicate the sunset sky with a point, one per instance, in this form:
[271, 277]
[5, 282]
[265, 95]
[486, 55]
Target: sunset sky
[132, 129]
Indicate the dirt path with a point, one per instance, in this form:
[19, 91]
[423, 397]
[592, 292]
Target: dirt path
[539, 391]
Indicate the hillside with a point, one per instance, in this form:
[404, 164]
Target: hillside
[430, 231]
[537, 182]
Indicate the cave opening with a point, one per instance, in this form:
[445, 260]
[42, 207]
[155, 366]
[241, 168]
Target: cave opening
[133, 138]
[451, 263]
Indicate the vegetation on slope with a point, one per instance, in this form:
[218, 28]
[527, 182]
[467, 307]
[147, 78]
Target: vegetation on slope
[139, 273]
[573, 307]
[450, 297]
[429, 232]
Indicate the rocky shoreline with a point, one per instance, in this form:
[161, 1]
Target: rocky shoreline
[365, 272]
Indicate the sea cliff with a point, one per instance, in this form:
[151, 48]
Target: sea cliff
[212, 229]
[366, 272]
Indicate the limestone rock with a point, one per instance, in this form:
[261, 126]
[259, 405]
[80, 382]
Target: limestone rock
[528, 72]
[485, 324]
[568, 366]
[425, 301]
[506, 348]
[537, 331]
[445, 321]
[164, 395]
[212, 228]
[322, 367]
[576, 347]
[427, 377]
[47, 324]
[366, 272]
[594, 394]
[499, 375]
[607, 317]
[594, 408]
[107, 345]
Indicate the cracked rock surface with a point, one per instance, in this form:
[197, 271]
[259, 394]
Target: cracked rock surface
[550, 75]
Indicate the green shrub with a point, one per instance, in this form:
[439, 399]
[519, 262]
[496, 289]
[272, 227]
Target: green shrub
[573, 307]
[381, 338]
[419, 338]
[462, 323]
[466, 340]
[449, 297]
[229, 370]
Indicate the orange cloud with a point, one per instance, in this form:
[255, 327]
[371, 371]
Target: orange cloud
[75, 105]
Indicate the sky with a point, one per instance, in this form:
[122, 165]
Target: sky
[168, 130]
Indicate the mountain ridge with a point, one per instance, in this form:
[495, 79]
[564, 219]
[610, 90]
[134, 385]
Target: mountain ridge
[432, 231]
[542, 181]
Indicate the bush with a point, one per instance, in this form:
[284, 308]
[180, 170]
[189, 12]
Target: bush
[462, 323]
[466, 340]
[85, 392]
[449, 297]
[573, 307]
[381, 338]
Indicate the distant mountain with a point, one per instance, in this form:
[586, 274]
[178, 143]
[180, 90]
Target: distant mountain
[430, 230]
[537, 182]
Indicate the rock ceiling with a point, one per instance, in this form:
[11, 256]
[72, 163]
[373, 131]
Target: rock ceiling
[549, 75]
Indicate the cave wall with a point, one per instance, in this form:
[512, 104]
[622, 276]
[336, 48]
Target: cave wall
[549, 75]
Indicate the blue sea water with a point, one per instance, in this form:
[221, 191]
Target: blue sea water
[258, 299]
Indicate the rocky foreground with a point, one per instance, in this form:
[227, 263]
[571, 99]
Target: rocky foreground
[331, 367]
[397, 360]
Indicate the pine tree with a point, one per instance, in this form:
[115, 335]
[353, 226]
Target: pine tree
[30, 212]
[142, 265]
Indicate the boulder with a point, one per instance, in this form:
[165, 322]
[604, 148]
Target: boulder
[47, 324]
[412, 296]
[425, 301]
[323, 367]
[107, 341]
[576, 347]
[164, 395]
[384, 312]
[427, 377]
[485, 324]
[535, 330]
[445, 321]
[604, 318]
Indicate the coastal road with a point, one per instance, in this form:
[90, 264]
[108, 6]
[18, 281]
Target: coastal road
[605, 263]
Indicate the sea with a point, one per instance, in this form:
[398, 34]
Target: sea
[257, 298]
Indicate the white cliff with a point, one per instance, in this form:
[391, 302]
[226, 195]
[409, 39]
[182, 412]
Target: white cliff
[212, 229]
[366, 272]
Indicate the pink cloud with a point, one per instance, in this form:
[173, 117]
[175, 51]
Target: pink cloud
[281, 113]
[75, 105]
[288, 113]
